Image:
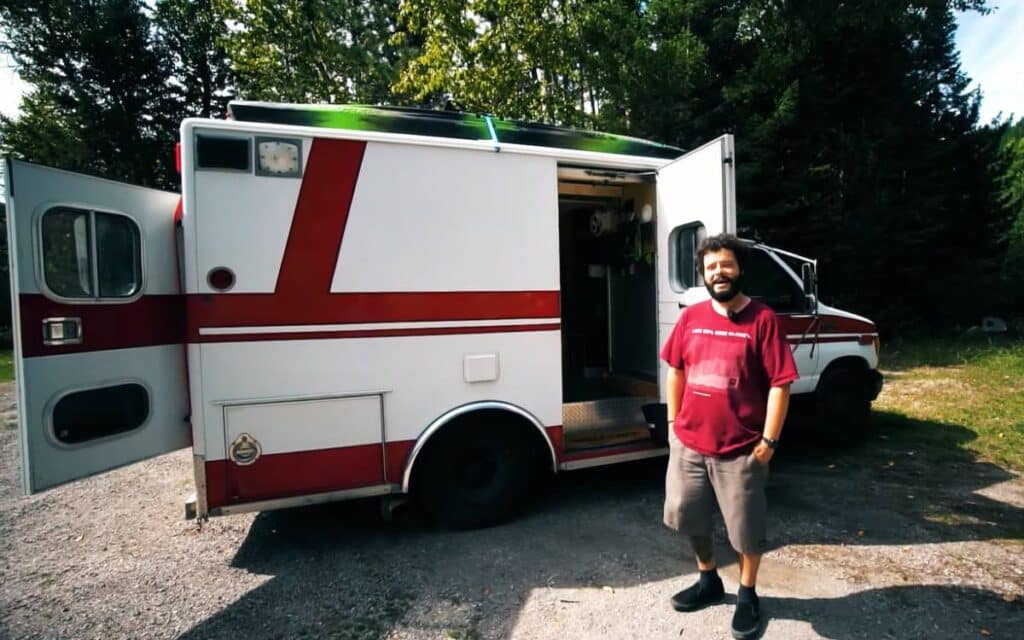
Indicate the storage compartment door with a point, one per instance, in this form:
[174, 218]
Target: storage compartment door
[301, 447]
[98, 323]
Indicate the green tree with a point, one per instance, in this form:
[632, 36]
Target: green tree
[857, 143]
[513, 58]
[192, 34]
[98, 82]
[313, 50]
[1012, 197]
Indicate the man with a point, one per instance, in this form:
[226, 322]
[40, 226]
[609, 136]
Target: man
[730, 368]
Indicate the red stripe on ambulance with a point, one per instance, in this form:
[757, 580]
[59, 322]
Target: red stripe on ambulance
[318, 225]
[149, 321]
[261, 310]
[280, 475]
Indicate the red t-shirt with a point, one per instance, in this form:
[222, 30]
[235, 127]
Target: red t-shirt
[728, 365]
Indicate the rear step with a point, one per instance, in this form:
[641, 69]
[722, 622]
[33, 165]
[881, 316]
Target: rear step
[606, 422]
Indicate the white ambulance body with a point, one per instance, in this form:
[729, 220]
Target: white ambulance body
[331, 313]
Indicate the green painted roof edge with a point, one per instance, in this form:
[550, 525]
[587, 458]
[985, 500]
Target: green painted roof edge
[447, 124]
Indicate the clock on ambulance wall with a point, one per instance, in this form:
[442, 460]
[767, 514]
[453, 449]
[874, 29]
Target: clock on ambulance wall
[279, 157]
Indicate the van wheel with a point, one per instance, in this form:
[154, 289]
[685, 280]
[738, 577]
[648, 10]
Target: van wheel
[475, 474]
[844, 408]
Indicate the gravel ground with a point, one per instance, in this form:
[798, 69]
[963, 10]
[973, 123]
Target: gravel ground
[869, 543]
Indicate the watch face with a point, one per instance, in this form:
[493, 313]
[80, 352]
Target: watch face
[279, 158]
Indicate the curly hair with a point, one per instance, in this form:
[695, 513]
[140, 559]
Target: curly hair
[720, 242]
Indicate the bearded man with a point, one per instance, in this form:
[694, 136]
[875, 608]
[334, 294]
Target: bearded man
[730, 367]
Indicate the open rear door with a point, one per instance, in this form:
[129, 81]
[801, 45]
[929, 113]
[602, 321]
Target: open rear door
[98, 323]
[696, 198]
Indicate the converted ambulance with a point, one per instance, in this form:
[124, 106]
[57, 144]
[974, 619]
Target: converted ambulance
[359, 301]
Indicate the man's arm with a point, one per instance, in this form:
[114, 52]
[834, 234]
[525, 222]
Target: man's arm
[778, 406]
[674, 392]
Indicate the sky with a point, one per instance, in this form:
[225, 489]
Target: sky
[990, 55]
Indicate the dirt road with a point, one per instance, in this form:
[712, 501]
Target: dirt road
[871, 542]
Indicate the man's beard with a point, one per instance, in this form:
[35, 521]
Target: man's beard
[726, 294]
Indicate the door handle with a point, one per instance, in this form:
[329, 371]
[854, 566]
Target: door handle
[62, 331]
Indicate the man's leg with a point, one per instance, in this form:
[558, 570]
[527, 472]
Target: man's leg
[689, 503]
[702, 548]
[739, 486]
[749, 564]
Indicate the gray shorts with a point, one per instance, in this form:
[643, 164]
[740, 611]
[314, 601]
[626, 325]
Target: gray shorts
[694, 482]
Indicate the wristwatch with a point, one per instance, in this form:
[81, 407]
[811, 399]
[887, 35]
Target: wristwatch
[772, 444]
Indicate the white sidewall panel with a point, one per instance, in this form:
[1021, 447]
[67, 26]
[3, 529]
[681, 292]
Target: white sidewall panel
[431, 219]
[419, 378]
[242, 222]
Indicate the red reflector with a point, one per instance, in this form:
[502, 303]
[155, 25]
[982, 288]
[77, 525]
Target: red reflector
[220, 279]
[177, 157]
[866, 339]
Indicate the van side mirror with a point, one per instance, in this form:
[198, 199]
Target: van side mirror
[809, 277]
[810, 283]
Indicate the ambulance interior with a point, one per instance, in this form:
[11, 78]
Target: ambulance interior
[607, 240]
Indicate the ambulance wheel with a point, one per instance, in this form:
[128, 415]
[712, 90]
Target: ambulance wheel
[475, 473]
[845, 410]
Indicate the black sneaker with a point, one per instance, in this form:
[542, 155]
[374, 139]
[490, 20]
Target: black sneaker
[698, 596]
[746, 621]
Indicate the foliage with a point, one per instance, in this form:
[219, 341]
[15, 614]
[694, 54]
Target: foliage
[1011, 195]
[513, 58]
[192, 34]
[313, 51]
[857, 138]
[858, 145]
[98, 77]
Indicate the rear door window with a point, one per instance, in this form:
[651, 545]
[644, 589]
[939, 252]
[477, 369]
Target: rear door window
[90, 254]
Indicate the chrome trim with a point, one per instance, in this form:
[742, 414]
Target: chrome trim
[302, 501]
[276, 399]
[199, 471]
[615, 459]
[383, 439]
[445, 418]
[48, 338]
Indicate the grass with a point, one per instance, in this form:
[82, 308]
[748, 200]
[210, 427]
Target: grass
[6, 365]
[964, 395]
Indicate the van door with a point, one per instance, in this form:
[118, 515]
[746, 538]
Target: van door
[98, 323]
[696, 198]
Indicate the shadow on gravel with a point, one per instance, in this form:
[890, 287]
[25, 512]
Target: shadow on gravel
[341, 571]
[902, 612]
[909, 482]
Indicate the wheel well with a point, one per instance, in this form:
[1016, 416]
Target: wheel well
[540, 447]
[855, 363]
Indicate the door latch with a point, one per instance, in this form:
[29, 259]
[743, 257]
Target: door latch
[62, 331]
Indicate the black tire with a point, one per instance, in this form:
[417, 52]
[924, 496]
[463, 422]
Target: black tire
[844, 407]
[476, 473]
